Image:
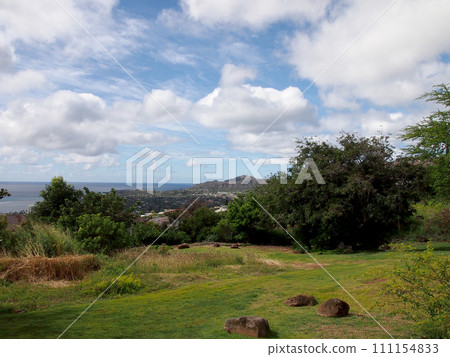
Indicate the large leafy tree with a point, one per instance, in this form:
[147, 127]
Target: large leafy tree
[367, 193]
[56, 195]
[430, 140]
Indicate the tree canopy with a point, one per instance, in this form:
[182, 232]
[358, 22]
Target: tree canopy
[367, 193]
[430, 140]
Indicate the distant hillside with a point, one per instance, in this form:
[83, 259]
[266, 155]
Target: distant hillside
[212, 193]
[239, 184]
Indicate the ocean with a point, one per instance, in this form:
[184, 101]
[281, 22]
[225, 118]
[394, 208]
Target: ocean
[26, 194]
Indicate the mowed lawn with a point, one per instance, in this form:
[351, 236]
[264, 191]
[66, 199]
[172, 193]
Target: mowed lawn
[192, 299]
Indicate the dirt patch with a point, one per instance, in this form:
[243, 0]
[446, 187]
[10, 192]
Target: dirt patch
[57, 283]
[35, 269]
[271, 262]
[270, 248]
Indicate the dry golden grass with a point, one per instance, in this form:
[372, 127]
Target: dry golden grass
[33, 269]
[186, 261]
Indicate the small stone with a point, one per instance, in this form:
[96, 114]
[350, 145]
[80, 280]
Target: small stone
[301, 300]
[235, 246]
[183, 246]
[333, 308]
[216, 245]
[248, 325]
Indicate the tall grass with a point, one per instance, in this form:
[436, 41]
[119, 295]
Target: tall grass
[31, 269]
[38, 239]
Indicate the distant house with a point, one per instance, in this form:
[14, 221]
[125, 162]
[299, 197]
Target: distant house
[160, 220]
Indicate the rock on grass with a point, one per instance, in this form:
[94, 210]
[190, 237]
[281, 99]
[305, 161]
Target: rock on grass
[248, 325]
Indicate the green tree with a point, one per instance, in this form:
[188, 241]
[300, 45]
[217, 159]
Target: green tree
[245, 216]
[431, 138]
[198, 225]
[366, 197]
[4, 193]
[57, 195]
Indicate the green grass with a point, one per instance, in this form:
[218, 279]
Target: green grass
[190, 293]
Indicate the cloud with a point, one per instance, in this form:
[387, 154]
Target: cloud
[39, 24]
[250, 14]
[15, 156]
[178, 55]
[233, 75]
[22, 81]
[88, 162]
[396, 60]
[244, 111]
[77, 123]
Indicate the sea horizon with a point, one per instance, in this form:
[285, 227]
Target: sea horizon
[24, 194]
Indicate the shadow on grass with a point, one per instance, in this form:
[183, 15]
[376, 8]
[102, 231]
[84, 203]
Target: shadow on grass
[6, 310]
[272, 334]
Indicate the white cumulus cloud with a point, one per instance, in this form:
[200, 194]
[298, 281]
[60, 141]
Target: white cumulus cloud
[394, 61]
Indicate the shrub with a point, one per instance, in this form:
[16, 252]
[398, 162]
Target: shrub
[431, 221]
[223, 231]
[174, 237]
[421, 280]
[99, 234]
[198, 225]
[145, 233]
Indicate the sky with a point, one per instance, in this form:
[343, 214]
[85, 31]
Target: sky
[216, 86]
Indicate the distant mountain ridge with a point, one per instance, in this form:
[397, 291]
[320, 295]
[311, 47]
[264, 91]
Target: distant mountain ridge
[240, 183]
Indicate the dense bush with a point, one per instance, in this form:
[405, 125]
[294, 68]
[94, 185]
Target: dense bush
[107, 204]
[145, 233]
[431, 221]
[174, 237]
[421, 281]
[222, 231]
[199, 224]
[99, 234]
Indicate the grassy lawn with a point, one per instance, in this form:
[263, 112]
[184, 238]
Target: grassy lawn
[189, 294]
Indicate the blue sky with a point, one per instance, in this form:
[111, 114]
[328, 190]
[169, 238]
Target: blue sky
[216, 75]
